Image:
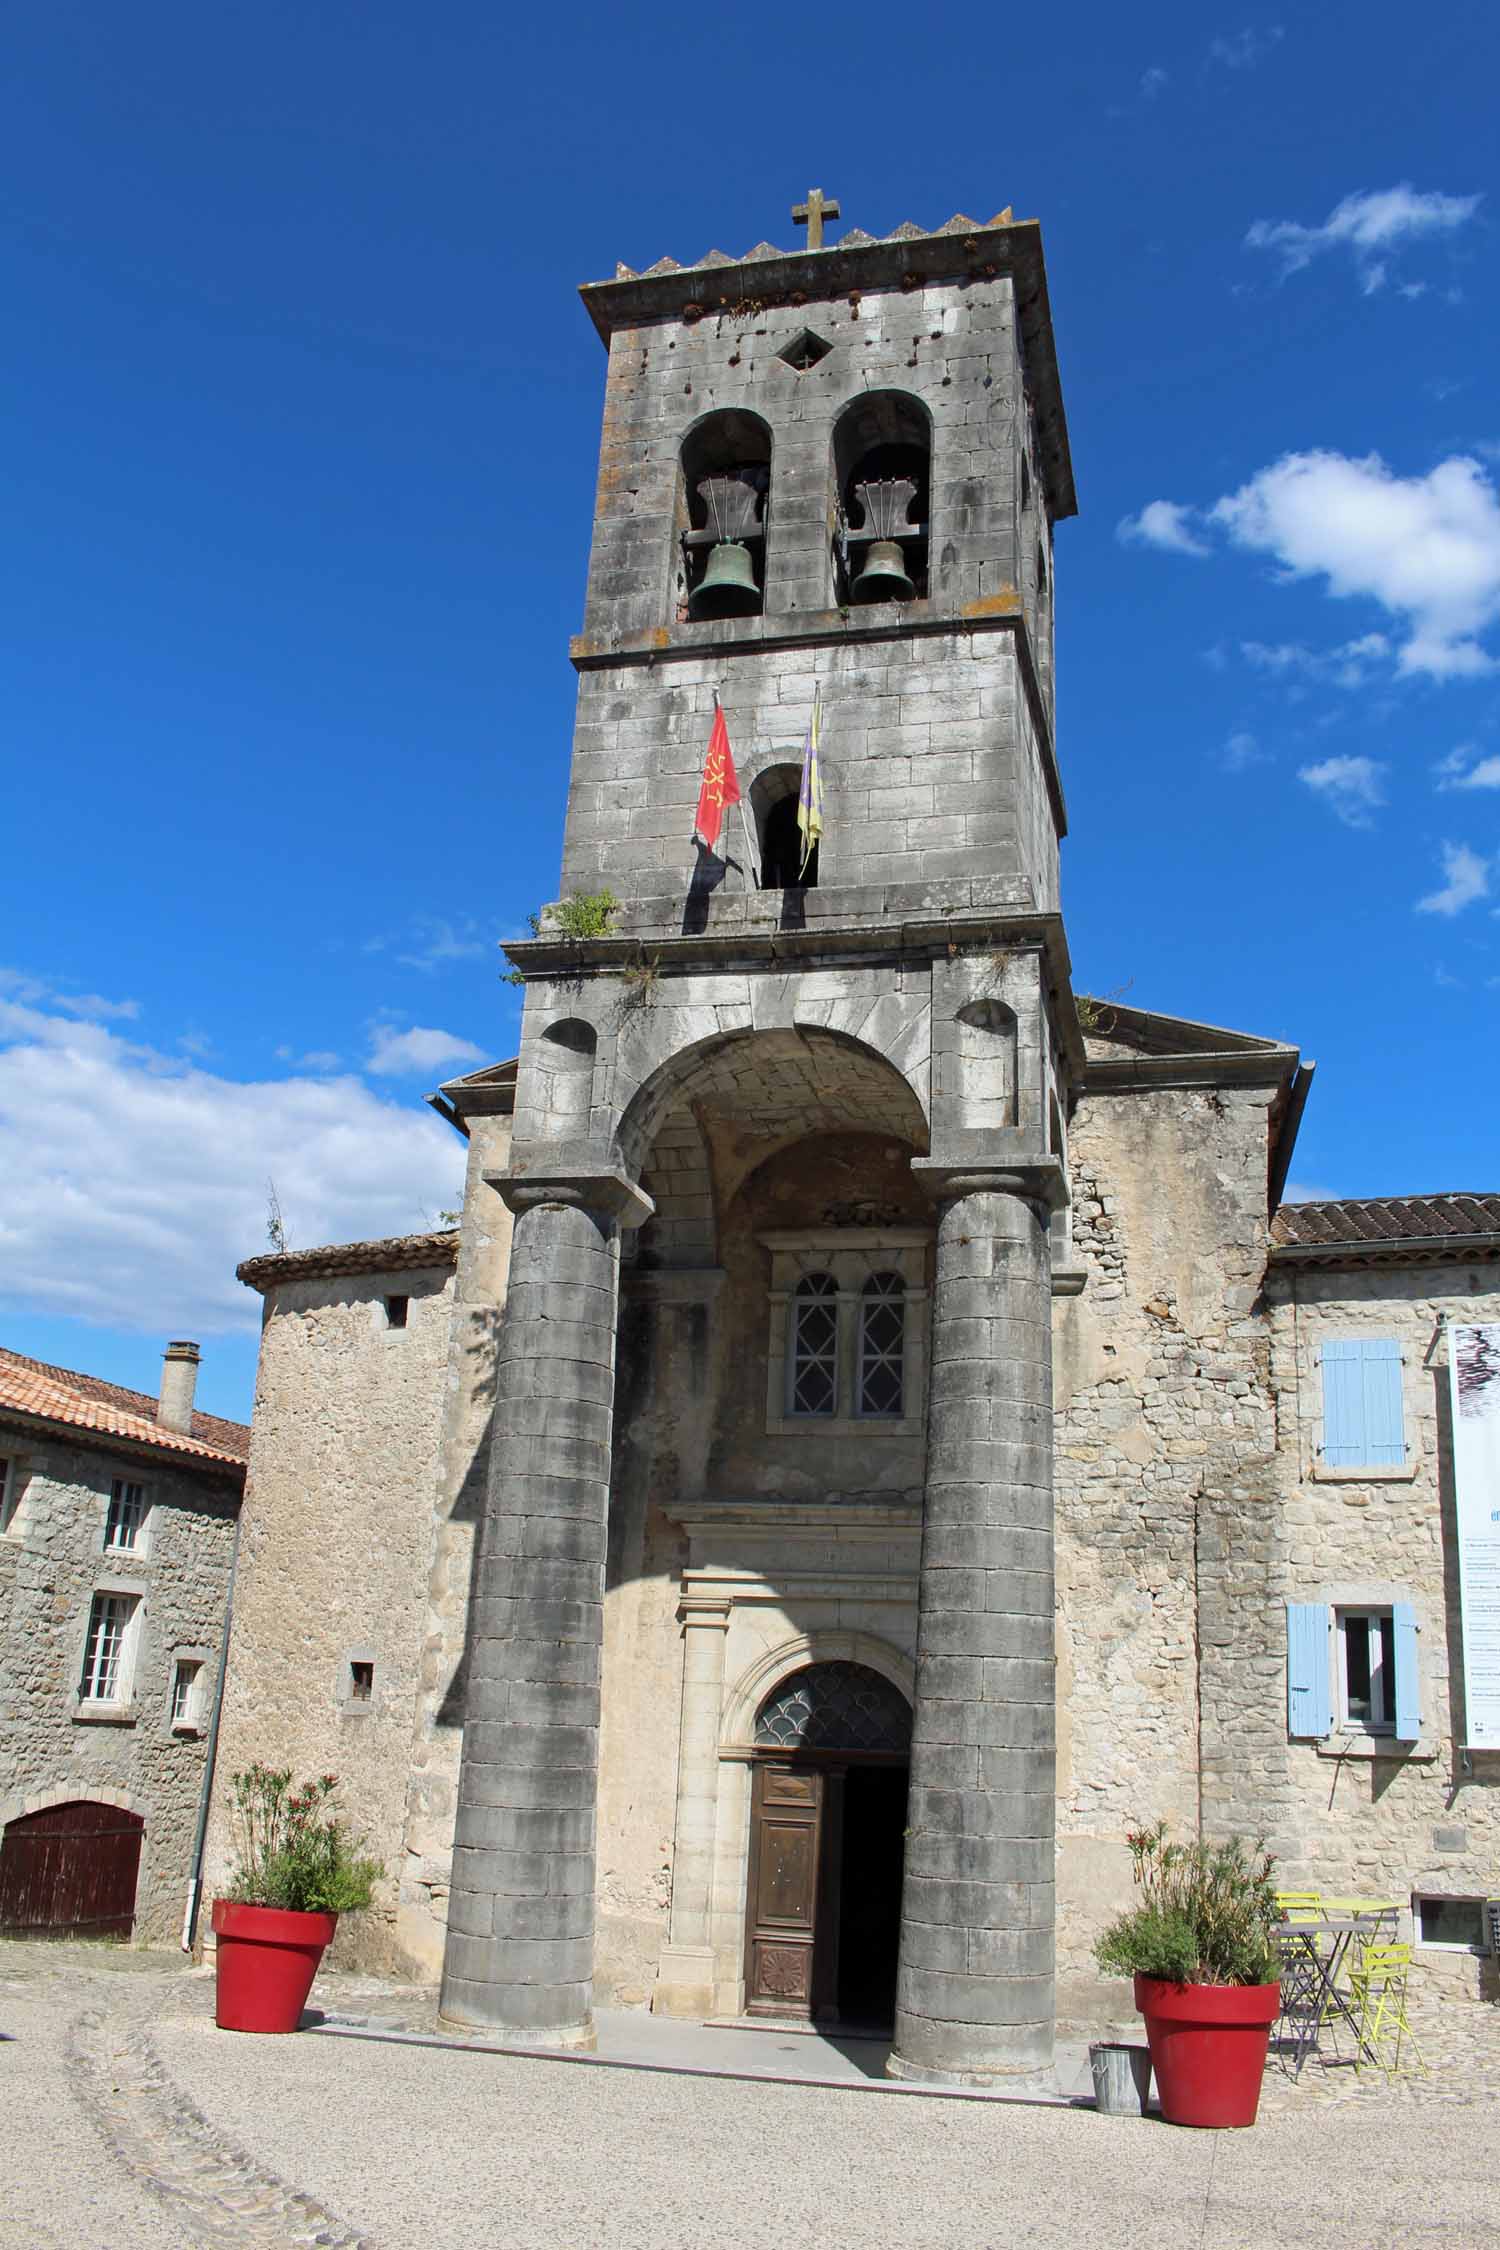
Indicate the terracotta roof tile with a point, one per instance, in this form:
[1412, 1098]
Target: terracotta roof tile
[397, 1253]
[1386, 1221]
[86, 1402]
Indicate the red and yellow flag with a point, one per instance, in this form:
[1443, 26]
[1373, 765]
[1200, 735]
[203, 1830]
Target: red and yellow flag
[721, 787]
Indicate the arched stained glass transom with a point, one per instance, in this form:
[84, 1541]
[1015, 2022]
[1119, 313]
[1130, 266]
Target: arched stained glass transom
[835, 1706]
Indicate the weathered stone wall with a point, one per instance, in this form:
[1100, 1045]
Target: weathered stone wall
[52, 1562]
[1365, 1816]
[1165, 1506]
[336, 1552]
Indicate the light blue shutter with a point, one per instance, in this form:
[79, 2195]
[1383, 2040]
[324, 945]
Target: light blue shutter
[1307, 1711]
[1363, 1425]
[1408, 1689]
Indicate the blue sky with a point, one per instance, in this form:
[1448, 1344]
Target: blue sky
[300, 415]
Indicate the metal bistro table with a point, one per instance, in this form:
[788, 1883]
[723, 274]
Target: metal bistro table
[1313, 1949]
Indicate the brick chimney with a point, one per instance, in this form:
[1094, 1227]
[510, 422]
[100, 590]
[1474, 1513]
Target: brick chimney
[179, 1380]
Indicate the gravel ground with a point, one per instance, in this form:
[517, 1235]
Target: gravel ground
[150, 2127]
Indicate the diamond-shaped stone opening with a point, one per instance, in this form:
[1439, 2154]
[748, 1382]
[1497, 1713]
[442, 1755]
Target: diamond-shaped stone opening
[804, 351]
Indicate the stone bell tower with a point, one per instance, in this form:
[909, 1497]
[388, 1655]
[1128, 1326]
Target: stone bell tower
[828, 474]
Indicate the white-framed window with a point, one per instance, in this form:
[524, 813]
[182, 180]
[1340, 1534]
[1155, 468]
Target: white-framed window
[1364, 1676]
[186, 1709]
[125, 1524]
[880, 1388]
[10, 1491]
[1352, 1668]
[812, 1360]
[1450, 1925]
[847, 1331]
[108, 1650]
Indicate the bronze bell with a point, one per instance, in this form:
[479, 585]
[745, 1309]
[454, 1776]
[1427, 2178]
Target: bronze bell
[727, 587]
[886, 505]
[883, 578]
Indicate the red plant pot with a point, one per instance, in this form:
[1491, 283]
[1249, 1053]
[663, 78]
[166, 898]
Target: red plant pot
[265, 1964]
[1208, 2047]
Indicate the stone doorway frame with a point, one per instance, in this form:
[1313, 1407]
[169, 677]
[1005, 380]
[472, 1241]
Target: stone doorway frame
[702, 1969]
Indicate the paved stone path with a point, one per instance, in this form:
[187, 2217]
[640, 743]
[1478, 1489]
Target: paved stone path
[133, 2124]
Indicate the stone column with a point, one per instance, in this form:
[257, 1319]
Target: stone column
[520, 1947]
[685, 1984]
[974, 2001]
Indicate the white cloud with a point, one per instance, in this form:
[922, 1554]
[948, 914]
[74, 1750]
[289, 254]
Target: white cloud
[1427, 548]
[1242, 50]
[1366, 224]
[1465, 877]
[1303, 1191]
[1153, 81]
[1241, 752]
[131, 1182]
[321, 1059]
[1457, 772]
[1352, 788]
[1348, 666]
[414, 1053]
[1161, 523]
[31, 991]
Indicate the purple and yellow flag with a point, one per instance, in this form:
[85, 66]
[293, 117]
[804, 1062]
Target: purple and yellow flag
[810, 795]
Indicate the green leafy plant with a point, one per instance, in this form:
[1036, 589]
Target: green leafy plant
[586, 914]
[1205, 1916]
[294, 1851]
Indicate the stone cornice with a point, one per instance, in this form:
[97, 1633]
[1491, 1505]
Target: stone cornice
[956, 253]
[1147, 1073]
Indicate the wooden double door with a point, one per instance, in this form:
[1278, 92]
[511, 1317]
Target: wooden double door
[823, 1915]
[70, 1872]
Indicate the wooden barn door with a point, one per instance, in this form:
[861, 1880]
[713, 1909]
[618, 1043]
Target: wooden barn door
[781, 1927]
[70, 1872]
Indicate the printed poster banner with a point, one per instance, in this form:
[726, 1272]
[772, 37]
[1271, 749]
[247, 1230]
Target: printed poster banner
[1474, 1373]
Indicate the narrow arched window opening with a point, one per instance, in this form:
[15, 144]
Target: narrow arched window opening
[724, 503]
[882, 447]
[882, 1345]
[773, 807]
[813, 1361]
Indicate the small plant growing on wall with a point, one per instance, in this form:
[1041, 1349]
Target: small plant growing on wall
[582, 915]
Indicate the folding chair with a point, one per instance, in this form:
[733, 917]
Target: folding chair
[1379, 1985]
[1303, 1999]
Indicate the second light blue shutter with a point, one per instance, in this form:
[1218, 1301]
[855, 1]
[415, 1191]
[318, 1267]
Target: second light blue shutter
[1408, 1692]
[1363, 1423]
[1307, 1709]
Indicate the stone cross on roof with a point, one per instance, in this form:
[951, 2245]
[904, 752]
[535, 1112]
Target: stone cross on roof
[811, 215]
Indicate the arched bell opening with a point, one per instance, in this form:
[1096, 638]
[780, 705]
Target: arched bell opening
[827, 1846]
[773, 804]
[723, 504]
[882, 463]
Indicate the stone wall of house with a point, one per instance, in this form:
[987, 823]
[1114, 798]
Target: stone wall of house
[52, 1563]
[336, 1554]
[1165, 1501]
[1365, 1816]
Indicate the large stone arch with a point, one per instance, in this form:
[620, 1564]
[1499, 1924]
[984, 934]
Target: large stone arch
[748, 1092]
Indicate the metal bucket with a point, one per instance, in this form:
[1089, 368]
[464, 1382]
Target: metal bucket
[1122, 2078]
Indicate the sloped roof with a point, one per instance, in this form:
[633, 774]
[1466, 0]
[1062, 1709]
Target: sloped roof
[1389, 1223]
[396, 1253]
[35, 1392]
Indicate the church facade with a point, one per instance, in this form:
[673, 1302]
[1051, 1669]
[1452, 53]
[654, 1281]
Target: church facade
[868, 1442]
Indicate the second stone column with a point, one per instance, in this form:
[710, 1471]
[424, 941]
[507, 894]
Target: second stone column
[975, 1989]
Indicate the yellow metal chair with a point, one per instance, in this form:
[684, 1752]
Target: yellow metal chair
[1302, 1997]
[1379, 1986]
